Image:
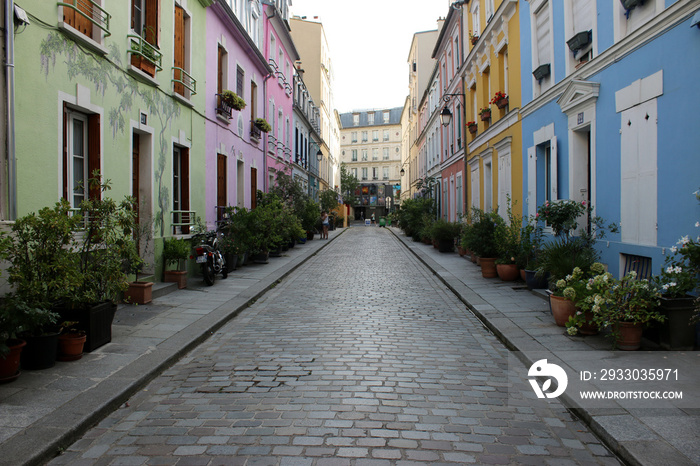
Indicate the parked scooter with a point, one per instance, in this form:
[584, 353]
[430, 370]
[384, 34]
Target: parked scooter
[208, 255]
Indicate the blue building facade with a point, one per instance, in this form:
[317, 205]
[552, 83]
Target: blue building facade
[609, 96]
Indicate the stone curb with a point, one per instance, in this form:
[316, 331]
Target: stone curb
[648, 452]
[40, 442]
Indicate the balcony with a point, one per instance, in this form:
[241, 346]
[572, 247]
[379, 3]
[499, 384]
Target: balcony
[83, 14]
[254, 131]
[144, 55]
[183, 80]
[223, 109]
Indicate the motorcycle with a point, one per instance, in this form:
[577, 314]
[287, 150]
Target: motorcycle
[209, 256]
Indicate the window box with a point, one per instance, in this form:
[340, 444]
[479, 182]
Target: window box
[473, 128]
[542, 71]
[629, 4]
[145, 56]
[485, 114]
[580, 40]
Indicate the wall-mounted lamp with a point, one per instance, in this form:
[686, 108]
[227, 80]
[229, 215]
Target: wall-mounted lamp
[446, 114]
[319, 155]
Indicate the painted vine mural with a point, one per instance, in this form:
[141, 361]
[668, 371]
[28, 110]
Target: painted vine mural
[106, 72]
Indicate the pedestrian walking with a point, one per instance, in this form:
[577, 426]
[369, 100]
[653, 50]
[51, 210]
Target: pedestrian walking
[324, 222]
[372, 218]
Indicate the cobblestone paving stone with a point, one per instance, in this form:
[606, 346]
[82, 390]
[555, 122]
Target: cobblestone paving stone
[360, 357]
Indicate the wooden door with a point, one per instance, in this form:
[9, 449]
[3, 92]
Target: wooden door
[253, 187]
[220, 185]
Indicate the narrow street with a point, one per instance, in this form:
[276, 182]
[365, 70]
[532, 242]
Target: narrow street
[360, 356]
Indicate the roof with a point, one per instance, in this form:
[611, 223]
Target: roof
[346, 119]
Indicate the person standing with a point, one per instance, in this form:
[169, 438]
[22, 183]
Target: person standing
[324, 223]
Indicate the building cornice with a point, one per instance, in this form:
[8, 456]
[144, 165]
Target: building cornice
[501, 125]
[664, 21]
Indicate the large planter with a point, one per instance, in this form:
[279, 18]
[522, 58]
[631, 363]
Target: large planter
[9, 365]
[588, 327]
[629, 337]
[261, 258]
[675, 333]
[507, 272]
[562, 309]
[309, 235]
[70, 346]
[40, 352]
[140, 292]
[534, 282]
[488, 267]
[95, 319]
[447, 245]
[176, 276]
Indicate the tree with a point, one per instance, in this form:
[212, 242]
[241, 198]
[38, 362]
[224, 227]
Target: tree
[348, 185]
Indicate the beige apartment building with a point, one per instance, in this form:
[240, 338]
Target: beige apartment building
[370, 145]
[316, 70]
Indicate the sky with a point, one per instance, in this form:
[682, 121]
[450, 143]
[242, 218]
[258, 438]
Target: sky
[369, 42]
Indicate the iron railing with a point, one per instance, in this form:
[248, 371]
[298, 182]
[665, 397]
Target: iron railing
[98, 15]
[140, 47]
[181, 76]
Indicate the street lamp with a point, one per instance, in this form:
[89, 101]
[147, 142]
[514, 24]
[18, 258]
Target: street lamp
[319, 155]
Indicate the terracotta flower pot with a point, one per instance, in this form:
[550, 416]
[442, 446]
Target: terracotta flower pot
[176, 276]
[473, 129]
[488, 267]
[588, 327]
[507, 272]
[629, 336]
[502, 103]
[562, 309]
[140, 292]
[9, 365]
[70, 346]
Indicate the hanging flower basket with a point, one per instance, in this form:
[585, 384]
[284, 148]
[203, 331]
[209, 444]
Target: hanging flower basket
[262, 125]
[472, 127]
[502, 103]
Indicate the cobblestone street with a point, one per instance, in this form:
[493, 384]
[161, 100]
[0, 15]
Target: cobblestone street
[360, 356]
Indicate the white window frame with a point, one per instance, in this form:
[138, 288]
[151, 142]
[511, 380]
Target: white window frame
[78, 188]
[537, 9]
[476, 20]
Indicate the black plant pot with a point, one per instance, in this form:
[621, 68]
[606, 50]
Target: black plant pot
[534, 282]
[542, 71]
[95, 319]
[446, 245]
[629, 4]
[261, 258]
[40, 352]
[580, 40]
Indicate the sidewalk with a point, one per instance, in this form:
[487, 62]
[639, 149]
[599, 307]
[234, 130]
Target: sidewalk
[43, 411]
[522, 321]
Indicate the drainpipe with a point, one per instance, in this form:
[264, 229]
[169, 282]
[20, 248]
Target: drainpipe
[10, 82]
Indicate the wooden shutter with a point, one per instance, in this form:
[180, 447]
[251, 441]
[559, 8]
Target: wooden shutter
[65, 152]
[582, 13]
[185, 184]
[554, 168]
[220, 184]
[94, 143]
[151, 32]
[543, 33]
[179, 52]
[253, 187]
[531, 180]
[135, 169]
[76, 20]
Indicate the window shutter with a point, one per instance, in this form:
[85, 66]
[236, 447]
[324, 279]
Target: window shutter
[94, 156]
[582, 11]
[554, 169]
[543, 35]
[253, 187]
[531, 180]
[152, 33]
[65, 152]
[179, 50]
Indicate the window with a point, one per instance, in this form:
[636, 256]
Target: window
[81, 154]
[385, 155]
[273, 48]
[370, 118]
[364, 136]
[355, 119]
[353, 137]
[627, 22]
[375, 154]
[579, 33]
[183, 83]
[385, 173]
[375, 135]
[181, 181]
[375, 173]
[240, 76]
[459, 196]
[253, 100]
[386, 135]
[221, 79]
[354, 173]
[387, 114]
[354, 155]
[78, 17]
[364, 173]
[364, 155]
[144, 22]
[476, 21]
[458, 114]
[488, 10]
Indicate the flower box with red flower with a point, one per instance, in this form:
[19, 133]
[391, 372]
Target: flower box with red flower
[500, 99]
[472, 127]
[485, 113]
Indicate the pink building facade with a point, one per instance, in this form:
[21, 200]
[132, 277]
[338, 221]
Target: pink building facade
[235, 161]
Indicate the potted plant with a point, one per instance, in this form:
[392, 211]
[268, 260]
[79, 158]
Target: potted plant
[626, 308]
[508, 244]
[484, 240]
[71, 341]
[444, 233]
[14, 319]
[500, 99]
[262, 125]
[473, 38]
[588, 291]
[175, 253]
[485, 113]
[530, 246]
[133, 254]
[233, 100]
[472, 127]
[678, 278]
[563, 296]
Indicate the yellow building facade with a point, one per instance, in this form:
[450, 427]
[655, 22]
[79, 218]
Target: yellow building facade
[491, 70]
